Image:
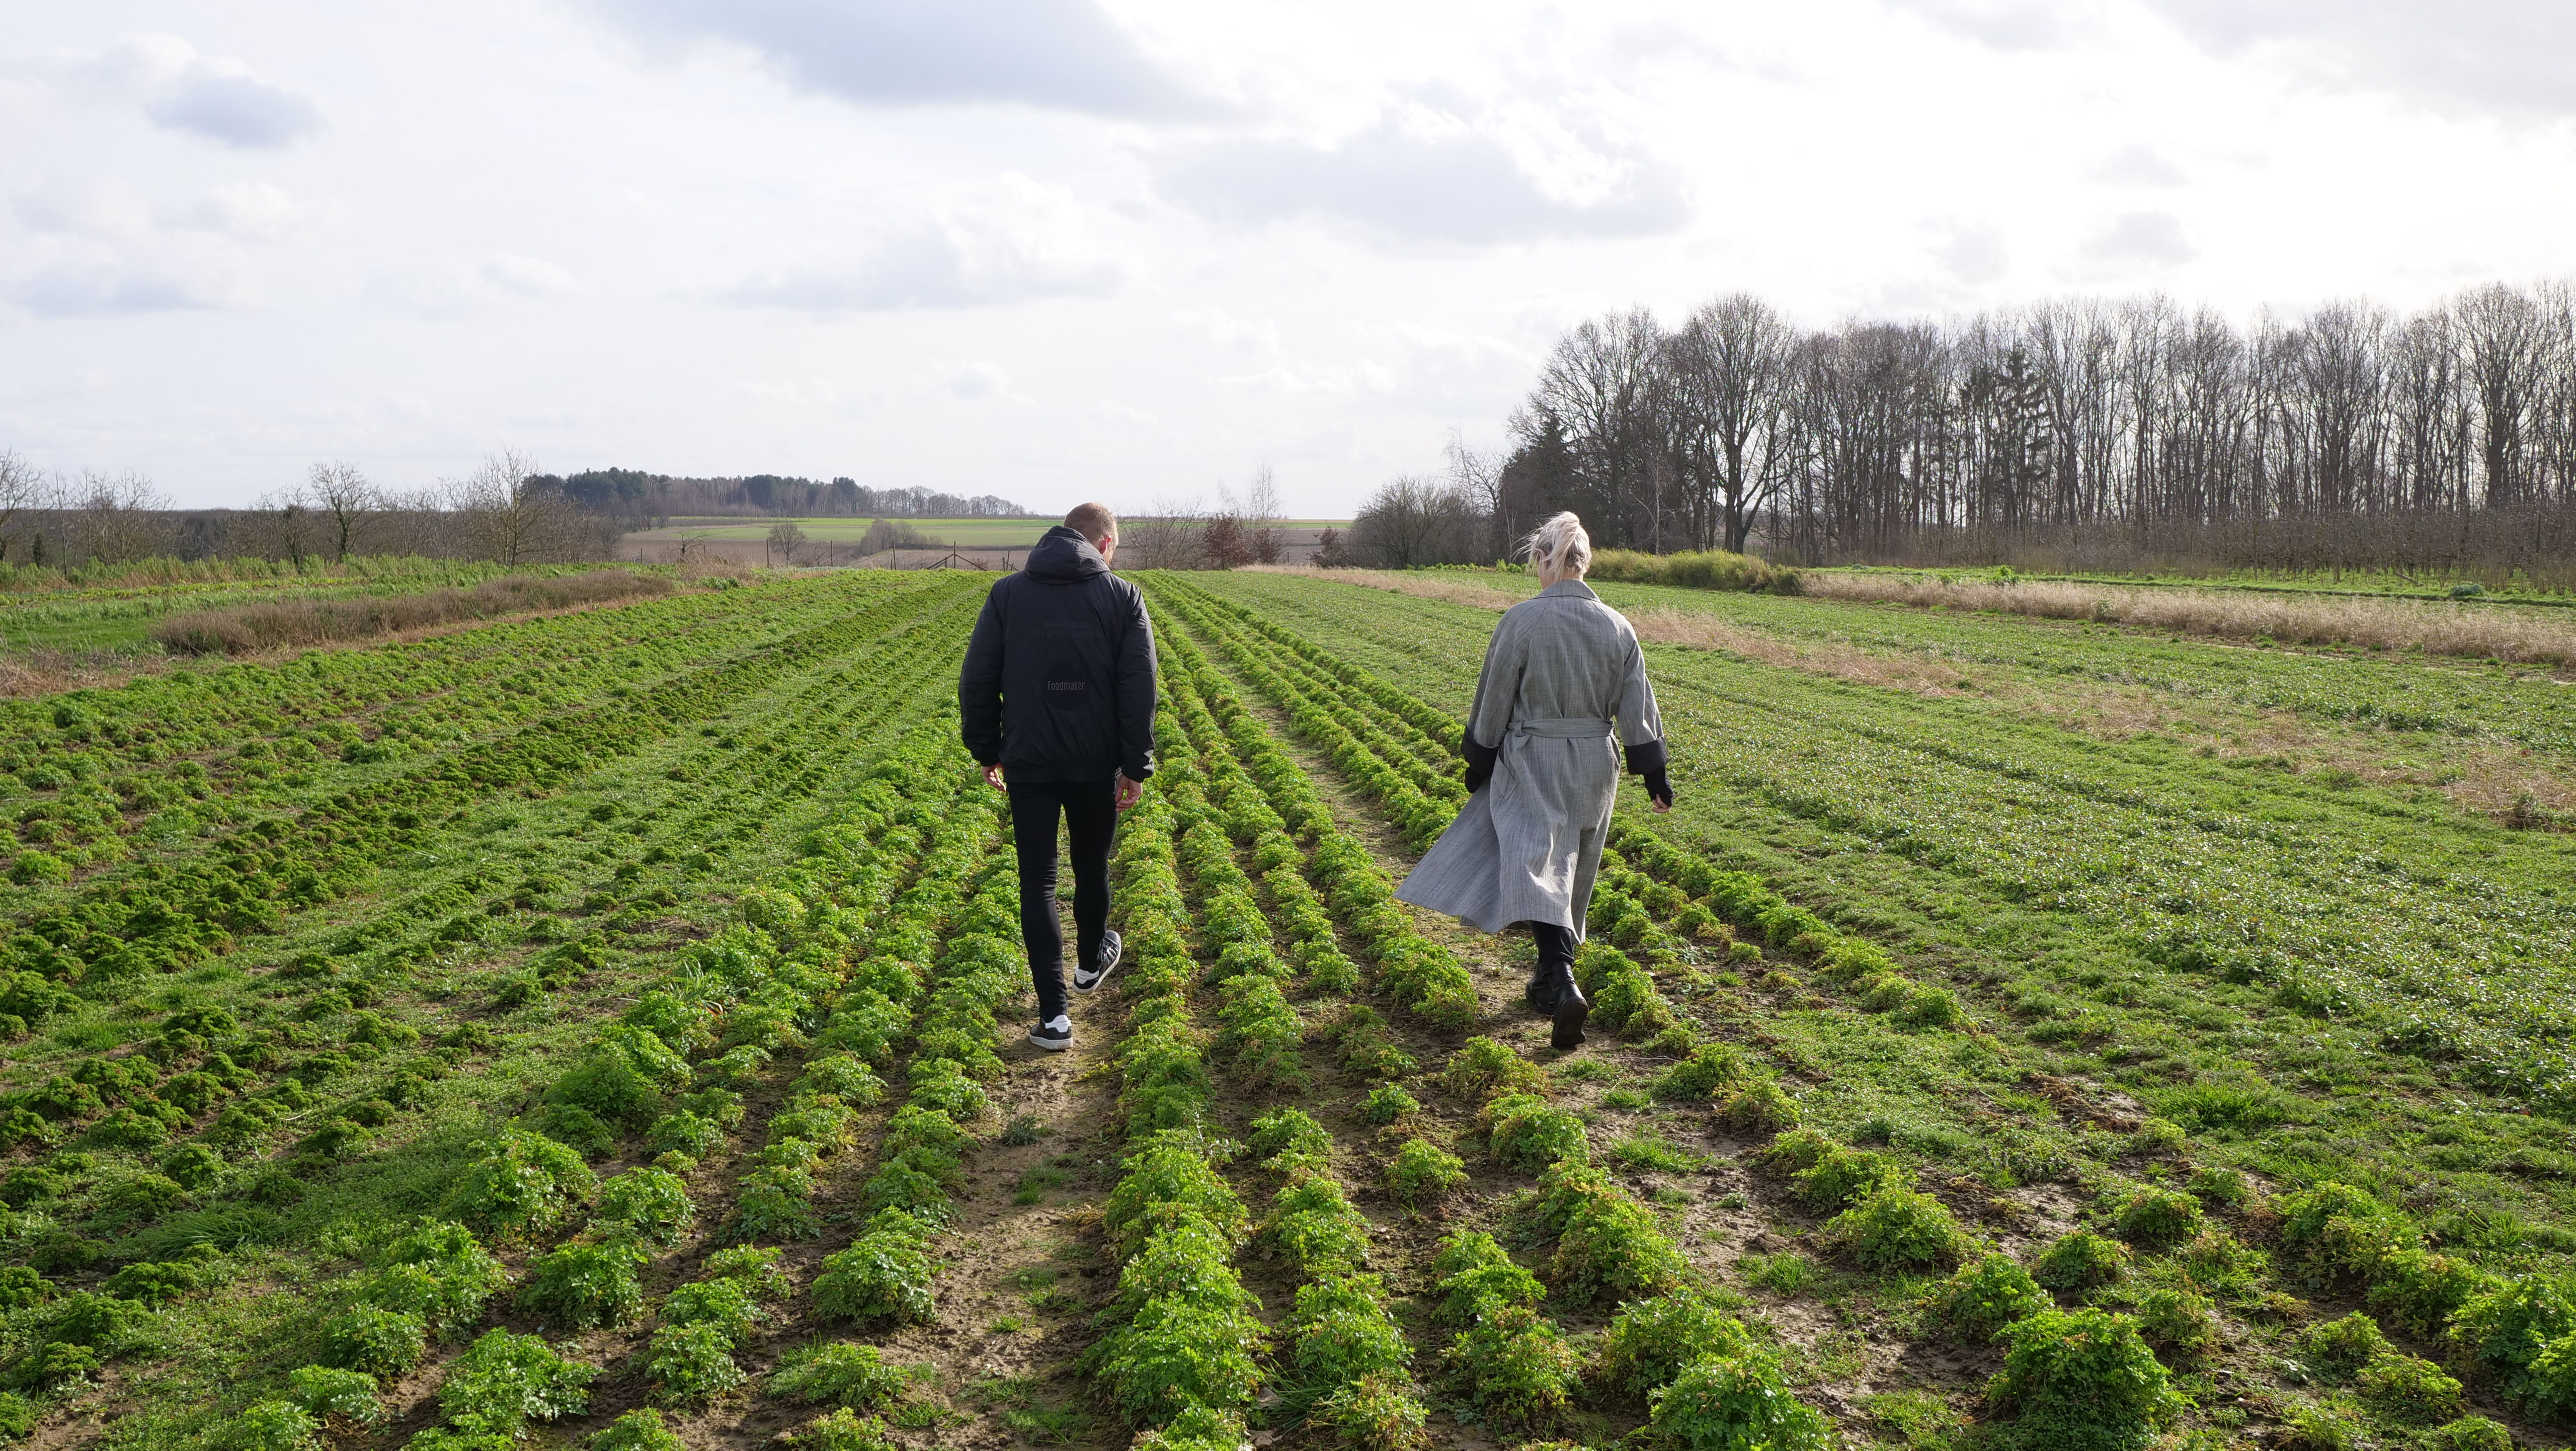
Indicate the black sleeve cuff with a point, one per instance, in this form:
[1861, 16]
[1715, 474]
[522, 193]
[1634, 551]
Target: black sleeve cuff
[1137, 770]
[1647, 757]
[1478, 757]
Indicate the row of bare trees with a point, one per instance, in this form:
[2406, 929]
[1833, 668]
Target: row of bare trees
[1242, 528]
[504, 511]
[2132, 416]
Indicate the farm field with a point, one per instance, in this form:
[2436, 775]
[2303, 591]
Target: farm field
[848, 530]
[120, 617]
[608, 1030]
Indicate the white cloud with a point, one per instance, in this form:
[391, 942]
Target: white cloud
[526, 276]
[452, 289]
[1012, 241]
[2136, 166]
[1059, 54]
[234, 108]
[95, 207]
[2010, 25]
[251, 211]
[111, 289]
[1426, 175]
[2497, 57]
[2153, 239]
[1973, 254]
[978, 380]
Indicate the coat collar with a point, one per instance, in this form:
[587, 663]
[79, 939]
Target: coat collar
[1568, 589]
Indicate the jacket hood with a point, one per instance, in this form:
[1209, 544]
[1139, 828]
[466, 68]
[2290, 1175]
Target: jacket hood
[1063, 556]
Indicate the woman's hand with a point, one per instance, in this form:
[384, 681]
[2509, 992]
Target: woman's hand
[1659, 790]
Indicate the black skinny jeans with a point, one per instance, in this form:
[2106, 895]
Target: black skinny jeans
[1090, 810]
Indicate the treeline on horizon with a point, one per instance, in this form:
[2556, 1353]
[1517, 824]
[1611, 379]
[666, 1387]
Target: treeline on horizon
[2081, 433]
[642, 500]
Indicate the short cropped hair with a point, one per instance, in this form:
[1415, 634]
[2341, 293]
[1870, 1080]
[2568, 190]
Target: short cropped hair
[1560, 544]
[1092, 521]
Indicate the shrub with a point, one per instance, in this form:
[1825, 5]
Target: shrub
[585, 1285]
[652, 1204]
[843, 1430]
[1474, 1274]
[1289, 1139]
[845, 1374]
[2503, 1331]
[884, 1275]
[1735, 1403]
[438, 1271]
[1758, 1108]
[1611, 1244]
[2421, 1290]
[2212, 1184]
[726, 1304]
[344, 1395]
[2078, 1263]
[1987, 1295]
[684, 1132]
[1423, 1174]
[1376, 1413]
[691, 1363]
[1516, 1366]
[2406, 1388]
[1313, 1224]
[1177, 1352]
[1197, 1428]
[2179, 1323]
[2156, 1219]
[2469, 1433]
[503, 1381]
[752, 1267]
[1898, 1229]
[638, 1431]
[1650, 1341]
[2311, 1426]
[1388, 1103]
[523, 1184]
[1342, 1333]
[1711, 1069]
[2083, 1380]
[1483, 1068]
[1525, 1134]
[273, 1425]
[2338, 1349]
[1169, 1176]
[1844, 1176]
[377, 1341]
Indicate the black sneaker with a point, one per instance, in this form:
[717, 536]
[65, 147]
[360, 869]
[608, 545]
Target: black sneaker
[1089, 977]
[1054, 1036]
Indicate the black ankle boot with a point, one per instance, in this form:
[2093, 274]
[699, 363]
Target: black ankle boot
[1541, 992]
[1569, 1012]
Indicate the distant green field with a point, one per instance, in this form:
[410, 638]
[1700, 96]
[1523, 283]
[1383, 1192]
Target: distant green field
[837, 530]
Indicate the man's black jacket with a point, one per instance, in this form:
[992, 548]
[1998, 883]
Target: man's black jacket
[1059, 679]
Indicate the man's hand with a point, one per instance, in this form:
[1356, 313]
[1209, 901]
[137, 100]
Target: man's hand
[1129, 792]
[993, 778]
[1659, 790]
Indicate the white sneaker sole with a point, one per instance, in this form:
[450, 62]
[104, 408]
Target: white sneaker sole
[1094, 985]
[1052, 1045]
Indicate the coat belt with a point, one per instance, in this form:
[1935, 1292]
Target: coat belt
[1564, 728]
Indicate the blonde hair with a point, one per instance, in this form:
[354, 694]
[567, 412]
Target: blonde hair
[1560, 546]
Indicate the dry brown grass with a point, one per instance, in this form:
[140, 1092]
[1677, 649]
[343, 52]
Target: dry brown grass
[2435, 627]
[278, 624]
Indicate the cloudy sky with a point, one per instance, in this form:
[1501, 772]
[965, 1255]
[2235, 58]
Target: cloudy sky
[1132, 249]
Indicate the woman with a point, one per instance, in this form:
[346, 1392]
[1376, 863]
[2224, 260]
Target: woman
[1563, 672]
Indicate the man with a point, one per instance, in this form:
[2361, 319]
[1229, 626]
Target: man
[1057, 704]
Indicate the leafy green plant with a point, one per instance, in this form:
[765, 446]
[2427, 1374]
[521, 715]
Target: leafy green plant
[2338, 1349]
[273, 1425]
[1988, 1294]
[378, 1341]
[1516, 1366]
[1422, 1174]
[690, 1363]
[2469, 1433]
[2179, 1324]
[2155, 1219]
[1387, 1104]
[346, 1396]
[1483, 1068]
[842, 1430]
[641, 1430]
[1760, 1107]
[1524, 1133]
[1734, 1403]
[1474, 1274]
[1374, 1413]
[2080, 1262]
[1896, 1228]
[840, 1372]
[584, 1285]
[503, 1381]
[524, 1184]
[2082, 1380]
[1650, 1340]
[651, 1204]
[1612, 1245]
[1341, 1333]
[2407, 1388]
[1712, 1070]
[1179, 1352]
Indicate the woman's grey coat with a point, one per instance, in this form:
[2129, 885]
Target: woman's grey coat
[1562, 673]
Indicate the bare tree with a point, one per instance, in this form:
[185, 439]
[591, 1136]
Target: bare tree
[1172, 534]
[285, 525]
[1476, 477]
[27, 495]
[784, 540]
[1413, 521]
[1259, 511]
[1730, 363]
[508, 513]
[118, 518]
[345, 500]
